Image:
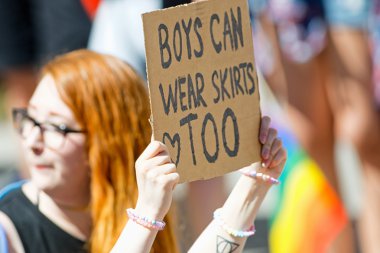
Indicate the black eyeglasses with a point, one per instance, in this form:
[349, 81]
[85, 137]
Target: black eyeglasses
[53, 135]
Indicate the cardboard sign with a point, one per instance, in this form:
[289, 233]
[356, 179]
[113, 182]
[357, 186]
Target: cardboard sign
[203, 86]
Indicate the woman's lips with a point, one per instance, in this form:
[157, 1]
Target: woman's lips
[42, 166]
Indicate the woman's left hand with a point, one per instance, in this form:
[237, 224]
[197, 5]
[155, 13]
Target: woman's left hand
[273, 153]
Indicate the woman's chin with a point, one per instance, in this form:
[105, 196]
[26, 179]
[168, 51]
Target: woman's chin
[44, 180]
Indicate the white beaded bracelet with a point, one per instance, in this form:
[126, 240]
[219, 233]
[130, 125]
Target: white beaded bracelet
[259, 175]
[145, 221]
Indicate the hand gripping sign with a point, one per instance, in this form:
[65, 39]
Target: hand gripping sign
[203, 86]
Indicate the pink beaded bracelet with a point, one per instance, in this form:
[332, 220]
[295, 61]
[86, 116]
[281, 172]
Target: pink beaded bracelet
[234, 232]
[259, 175]
[145, 221]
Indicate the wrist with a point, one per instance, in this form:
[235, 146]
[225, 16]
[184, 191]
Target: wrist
[149, 211]
[248, 190]
[243, 204]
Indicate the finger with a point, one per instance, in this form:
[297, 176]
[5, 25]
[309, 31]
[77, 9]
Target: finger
[168, 168]
[158, 171]
[276, 146]
[252, 167]
[173, 179]
[170, 180]
[264, 128]
[160, 159]
[151, 127]
[277, 170]
[272, 134]
[154, 148]
[279, 157]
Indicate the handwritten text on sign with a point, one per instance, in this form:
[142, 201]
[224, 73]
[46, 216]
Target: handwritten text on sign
[203, 86]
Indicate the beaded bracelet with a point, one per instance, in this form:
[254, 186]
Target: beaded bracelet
[145, 221]
[258, 175]
[229, 230]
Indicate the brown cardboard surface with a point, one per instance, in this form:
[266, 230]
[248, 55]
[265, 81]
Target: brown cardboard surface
[203, 86]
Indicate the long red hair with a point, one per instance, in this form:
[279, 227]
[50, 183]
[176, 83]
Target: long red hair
[110, 101]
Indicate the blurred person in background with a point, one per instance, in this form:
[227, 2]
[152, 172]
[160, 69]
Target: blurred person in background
[33, 32]
[320, 66]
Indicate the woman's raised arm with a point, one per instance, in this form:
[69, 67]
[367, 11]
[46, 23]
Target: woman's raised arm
[233, 222]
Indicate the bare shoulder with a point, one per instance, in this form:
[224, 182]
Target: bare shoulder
[14, 241]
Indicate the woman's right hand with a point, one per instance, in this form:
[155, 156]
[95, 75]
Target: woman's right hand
[156, 178]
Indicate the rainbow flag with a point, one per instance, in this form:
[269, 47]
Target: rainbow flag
[309, 214]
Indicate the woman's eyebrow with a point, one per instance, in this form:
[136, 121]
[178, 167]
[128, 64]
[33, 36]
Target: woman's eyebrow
[50, 113]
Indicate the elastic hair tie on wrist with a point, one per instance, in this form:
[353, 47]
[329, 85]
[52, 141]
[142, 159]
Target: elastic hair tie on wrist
[145, 221]
[233, 232]
[259, 175]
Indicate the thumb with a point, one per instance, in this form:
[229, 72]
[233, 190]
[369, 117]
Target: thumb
[151, 127]
[252, 167]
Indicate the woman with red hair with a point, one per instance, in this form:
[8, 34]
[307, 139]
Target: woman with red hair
[86, 138]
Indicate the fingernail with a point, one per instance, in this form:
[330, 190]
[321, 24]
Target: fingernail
[262, 138]
[265, 153]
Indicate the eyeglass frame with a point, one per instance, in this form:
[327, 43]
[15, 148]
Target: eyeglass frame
[61, 128]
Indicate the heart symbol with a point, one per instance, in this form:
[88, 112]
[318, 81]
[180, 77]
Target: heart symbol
[173, 141]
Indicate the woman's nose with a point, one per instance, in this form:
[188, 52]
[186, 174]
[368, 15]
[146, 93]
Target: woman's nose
[35, 138]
